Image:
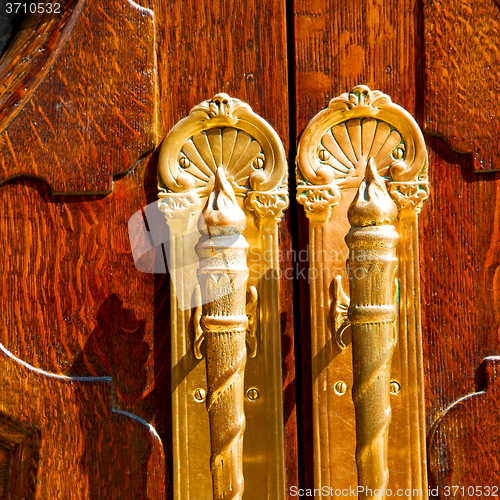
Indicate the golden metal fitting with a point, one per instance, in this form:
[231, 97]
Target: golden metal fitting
[223, 155]
[333, 154]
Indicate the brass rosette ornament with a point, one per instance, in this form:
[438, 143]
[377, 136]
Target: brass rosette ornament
[362, 175]
[222, 182]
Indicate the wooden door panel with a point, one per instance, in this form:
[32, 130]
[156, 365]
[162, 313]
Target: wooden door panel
[82, 309]
[460, 237]
[338, 46]
[387, 46]
[469, 423]
[75, 304]
[81, 436]
[95, 109]
[239, 48]
[460, 284]
[461, 60]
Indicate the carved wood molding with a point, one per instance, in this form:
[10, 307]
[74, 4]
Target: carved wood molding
[64, 85]
[61, 412]
[31, 55]
[371, 268]
[471, 423]
[461, 77]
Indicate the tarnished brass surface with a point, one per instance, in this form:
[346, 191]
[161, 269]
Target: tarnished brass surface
[333, 153]
[371, 267]
[223, 149]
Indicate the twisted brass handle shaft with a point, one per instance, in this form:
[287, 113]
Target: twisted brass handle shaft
[372, 264]
[223, 276]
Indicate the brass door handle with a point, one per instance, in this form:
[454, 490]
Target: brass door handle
[222, 179]
[362, 170]
[223, 277]
[371, 268]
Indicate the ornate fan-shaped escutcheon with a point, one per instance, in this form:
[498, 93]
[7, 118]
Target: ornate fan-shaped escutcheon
[235, 150]
[338, 142]
[222, 132]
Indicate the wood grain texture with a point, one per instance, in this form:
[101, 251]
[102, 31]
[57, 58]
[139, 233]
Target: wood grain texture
[70, 268]
[461, 76]
[94, 113]
[31, 54]
[472, 424]
[82, 439]
[341, 44]
[73, 302]
[460, 271]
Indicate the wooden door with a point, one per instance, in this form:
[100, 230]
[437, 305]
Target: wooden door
[86, 98]
[438, 60]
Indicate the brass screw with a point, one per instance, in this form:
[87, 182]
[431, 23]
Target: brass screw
[253, 394]
[200, 395]
[184, 162]
[323, 155]
[398, 153]
[395, 387]
[340, 388]
[258, 163]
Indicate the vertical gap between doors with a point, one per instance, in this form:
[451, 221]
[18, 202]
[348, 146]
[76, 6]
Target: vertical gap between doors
[294, 215]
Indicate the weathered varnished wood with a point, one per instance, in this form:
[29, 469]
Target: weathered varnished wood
[471, 424]
[82, 309]
[238, 48]
[73, 302]
[20, 457]
[34, 49]
[94, 110]
[460, 285]
[80, 436]
[339, 44]
[462, 61]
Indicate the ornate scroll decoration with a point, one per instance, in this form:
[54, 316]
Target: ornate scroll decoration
[223, 151]
[340, 308]
[336, 145]
[371, 267]
[222, 132]
[333, 154]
